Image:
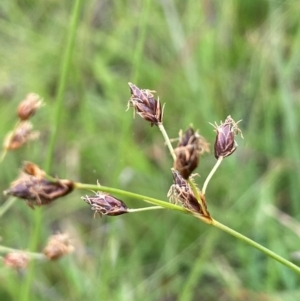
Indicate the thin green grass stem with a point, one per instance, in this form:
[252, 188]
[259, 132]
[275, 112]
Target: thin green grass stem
[3, 154]
[139, 47]
[145, 209]
[196, 273]
[220, 159]
[256, 245]
[167, 140]
[65, 67]
[6, 205]
[31, 255]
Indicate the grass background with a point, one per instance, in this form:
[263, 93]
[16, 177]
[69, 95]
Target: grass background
[206, 59]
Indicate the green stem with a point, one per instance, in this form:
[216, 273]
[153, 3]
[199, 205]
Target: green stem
[32, 255]
[144, 209]
[6, 205]
[211, 174]
[3, 154]
[139, 47]
[144, 198]
[167, 140]
[256, 245]
[65, 66]
[212, 222]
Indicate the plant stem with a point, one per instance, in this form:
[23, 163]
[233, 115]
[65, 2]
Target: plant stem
[211, 221]
[211, 174]
[144, 198]
[3, 154]
[144, 209]
[32, 255]
[6, 205]
[256, 245]
[141, 38]
[65, 66]
[4, 150]
[167, 140]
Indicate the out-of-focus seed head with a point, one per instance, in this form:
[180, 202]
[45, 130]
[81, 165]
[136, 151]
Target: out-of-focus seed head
[36, 189]
[181, 192]
[192, 137]
[33, 170]
[17, 260]
[225, 144]
[190, 146]
[105, 204]
[29, 106]
[144, 103]
[58, 245]
[22, 134]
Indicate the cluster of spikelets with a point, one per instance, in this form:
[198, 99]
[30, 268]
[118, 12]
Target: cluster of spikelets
[37, 188]
[23, 132]
[33, 186]
[58, 245]
[191, 145]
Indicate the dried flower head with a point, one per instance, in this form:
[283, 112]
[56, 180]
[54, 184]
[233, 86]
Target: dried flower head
[33, 170]
[57, 246]
[225, 144]
[22, 134]
[105, 204]
[16, 260]
[190, 146]
[36, 189]
[182, 192]
[143, 102]
[29, 106]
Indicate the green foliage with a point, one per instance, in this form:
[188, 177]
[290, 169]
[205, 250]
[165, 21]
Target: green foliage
[206, 60]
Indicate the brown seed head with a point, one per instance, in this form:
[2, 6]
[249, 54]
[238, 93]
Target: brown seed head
[143, 102]
[105, 204]
[33, 170]
[22, 134]
[57, 246]
[16, 260]
[225, 144]
[29, 106]
[190, 146]
[36, 189]
[182, 192]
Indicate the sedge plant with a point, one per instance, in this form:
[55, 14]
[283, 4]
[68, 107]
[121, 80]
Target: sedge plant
[38, 188]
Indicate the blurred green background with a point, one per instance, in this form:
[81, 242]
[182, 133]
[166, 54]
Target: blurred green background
[206, 60]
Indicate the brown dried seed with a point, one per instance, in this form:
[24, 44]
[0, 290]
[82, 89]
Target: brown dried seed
[33, 170]
[144, 104]
[22, 134]
[187, 159]
[16, 260]
[225, 144]
[105, 204]
[37, 189]
[57, 246]
[29, 106]
[190, 146]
